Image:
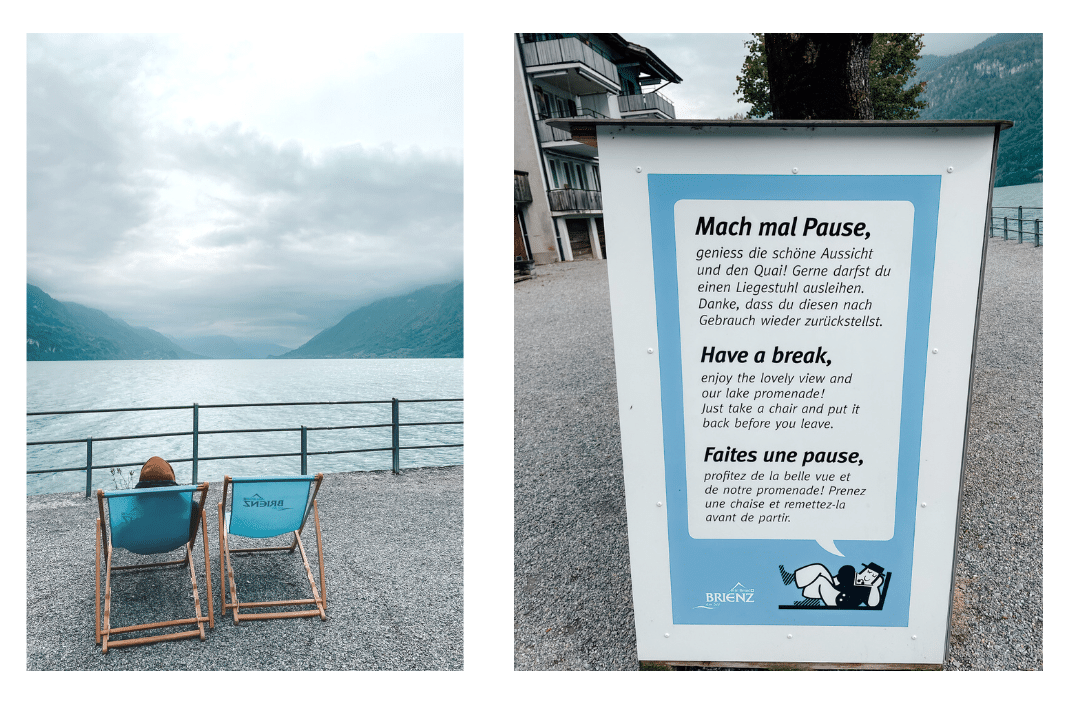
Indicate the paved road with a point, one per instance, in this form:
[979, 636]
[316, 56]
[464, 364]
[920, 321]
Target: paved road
[573, 606]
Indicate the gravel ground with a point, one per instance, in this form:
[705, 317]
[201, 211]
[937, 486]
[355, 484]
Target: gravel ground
[394, 555]
[573, 603]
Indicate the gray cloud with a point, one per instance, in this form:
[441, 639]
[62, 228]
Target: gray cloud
[216, 228]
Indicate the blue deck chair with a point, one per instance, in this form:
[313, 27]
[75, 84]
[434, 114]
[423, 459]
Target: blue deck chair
[148, 522]
[262, 507]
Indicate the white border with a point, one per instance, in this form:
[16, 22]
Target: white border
[963, 157]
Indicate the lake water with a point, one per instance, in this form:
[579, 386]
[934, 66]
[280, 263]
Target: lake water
[1024, 195]
[1029, 196]
[110, 384]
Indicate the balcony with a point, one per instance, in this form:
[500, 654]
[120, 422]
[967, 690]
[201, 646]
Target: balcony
[572, 200]
[549, 135]
[646, 105]
[570, 64]
[522, 192]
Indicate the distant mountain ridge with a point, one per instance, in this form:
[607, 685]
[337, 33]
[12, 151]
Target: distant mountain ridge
[57, 330]
[222, 347]
[1000, 79]
[426, 323]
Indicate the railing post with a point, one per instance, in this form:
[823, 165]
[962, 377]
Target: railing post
[1037, 243]
[89, 464]
[1006, 229]
[194, 444]
[303, 450]
[395, 441]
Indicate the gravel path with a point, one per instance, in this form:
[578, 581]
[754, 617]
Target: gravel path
[393, 551]
[573, 604]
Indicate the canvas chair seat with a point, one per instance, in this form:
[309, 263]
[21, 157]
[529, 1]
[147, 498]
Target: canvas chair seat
[265, 507]
[149, 522]
[152, 521]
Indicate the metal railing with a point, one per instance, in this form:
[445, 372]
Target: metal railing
[395, 425]
[646, 101]
[575, 199]
[1010, 223]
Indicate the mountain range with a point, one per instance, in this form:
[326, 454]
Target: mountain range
[426, 323]
[68, 331]
[999, 79]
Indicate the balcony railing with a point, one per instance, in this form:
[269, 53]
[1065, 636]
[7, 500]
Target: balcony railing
[522, 192]
[547, 133]
[572, 199]
[646, 101]
[569, 50]
[570, 112]
[554, 134]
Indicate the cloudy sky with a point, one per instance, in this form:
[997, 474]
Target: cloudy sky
[259, 188]
[709, 63]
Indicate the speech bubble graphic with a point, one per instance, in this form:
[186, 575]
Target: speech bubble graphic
[792, 366]
[829, 546]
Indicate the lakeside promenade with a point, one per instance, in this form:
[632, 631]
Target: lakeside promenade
[573, 604]
[393, 547]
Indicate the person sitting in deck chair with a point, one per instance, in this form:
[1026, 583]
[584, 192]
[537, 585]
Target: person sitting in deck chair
[846, 590]
[156, 472]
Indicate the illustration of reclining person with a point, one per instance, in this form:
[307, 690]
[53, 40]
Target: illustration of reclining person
[156, 472]
[846, 590]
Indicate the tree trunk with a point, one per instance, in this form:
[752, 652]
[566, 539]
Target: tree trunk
[819, 76]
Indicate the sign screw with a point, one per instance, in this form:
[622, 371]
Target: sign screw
[788, 636]
[666, 635]
[924, 504]
[935, 351]
[913, 637]
[950, 170]
[649, 350]
[659, 504]
[794, 170]
[639, 170]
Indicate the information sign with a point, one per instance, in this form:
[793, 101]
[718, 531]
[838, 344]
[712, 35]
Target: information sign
[794, 308]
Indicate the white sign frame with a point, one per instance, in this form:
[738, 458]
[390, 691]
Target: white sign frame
[644, 166]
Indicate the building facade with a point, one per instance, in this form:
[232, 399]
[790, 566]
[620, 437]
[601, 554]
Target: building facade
[558, 205]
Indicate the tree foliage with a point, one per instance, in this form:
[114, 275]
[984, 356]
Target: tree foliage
[892, 72]
[894, 94]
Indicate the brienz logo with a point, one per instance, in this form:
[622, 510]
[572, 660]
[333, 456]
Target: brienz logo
[257, 501]
[737, 593]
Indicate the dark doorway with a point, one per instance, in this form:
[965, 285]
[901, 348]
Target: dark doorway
[578, 232]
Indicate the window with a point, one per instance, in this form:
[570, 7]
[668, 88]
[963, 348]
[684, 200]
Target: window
[556, 182]
[542, 107]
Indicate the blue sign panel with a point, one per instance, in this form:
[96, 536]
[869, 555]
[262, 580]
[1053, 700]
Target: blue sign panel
[792, 320]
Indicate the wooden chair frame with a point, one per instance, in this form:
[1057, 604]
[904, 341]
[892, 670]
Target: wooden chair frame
[103, 547]
[225, 552]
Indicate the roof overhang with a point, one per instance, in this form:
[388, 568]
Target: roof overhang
[584, 129]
